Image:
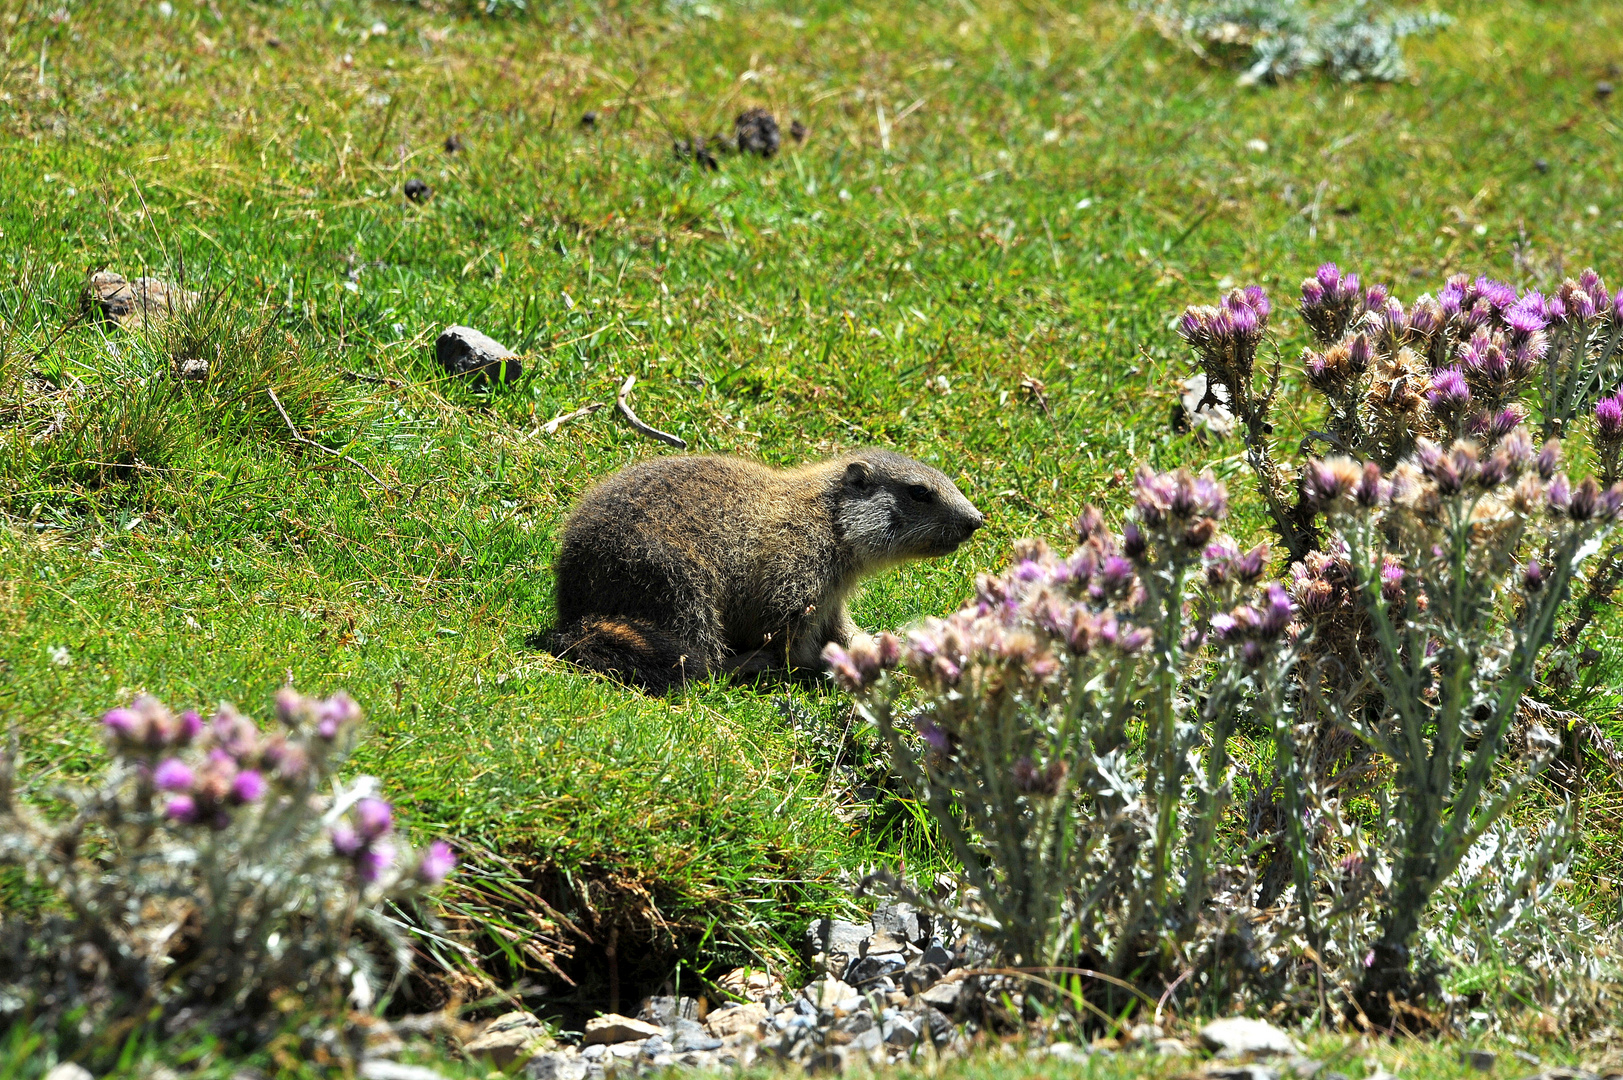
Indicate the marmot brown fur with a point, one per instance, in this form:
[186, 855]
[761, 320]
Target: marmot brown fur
[680, 566]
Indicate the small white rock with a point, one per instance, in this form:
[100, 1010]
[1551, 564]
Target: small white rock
[68, 1070]
[1242, 1036]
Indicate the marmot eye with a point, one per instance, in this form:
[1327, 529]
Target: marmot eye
[920, 493]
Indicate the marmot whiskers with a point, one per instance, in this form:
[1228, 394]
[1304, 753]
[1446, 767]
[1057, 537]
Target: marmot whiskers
[680, 566]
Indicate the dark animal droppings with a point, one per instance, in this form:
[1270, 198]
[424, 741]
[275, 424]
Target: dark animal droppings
[588, 119]
[798, 132]
[453, 144]
[417, 190]
[756, 132]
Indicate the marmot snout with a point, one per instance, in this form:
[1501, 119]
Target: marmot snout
[680, 566]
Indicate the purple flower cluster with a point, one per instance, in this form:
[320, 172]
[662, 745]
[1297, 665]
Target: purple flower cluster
[1330, 300]
[146, 729]
[366, 842]
[1253, 627]
[861, 665]
[1237, 322]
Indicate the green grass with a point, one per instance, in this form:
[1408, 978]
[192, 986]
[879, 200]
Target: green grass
[991, 192]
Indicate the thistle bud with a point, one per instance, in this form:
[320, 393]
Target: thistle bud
[1449, 392]
[1549, 459]
[1533, 576]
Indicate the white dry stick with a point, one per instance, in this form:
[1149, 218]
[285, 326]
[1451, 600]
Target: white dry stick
[324, 449]
[551, 426]
[651, 432]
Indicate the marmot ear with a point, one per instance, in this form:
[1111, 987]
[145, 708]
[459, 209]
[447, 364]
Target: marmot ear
[857, 473]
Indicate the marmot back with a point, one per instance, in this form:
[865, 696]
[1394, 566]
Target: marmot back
[679, 566]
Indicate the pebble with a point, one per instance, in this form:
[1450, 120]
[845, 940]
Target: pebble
[736, 1020]
[394, 1070]
[1480, 1060]
[464, 351]
[507, 1038]
[1242, 1036]
[68, 1070]
[614, 1028]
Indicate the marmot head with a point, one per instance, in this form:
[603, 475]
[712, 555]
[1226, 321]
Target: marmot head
[892, 508]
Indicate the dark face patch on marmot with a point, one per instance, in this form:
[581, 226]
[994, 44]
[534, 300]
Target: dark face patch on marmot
[893, 508]
[684, 565]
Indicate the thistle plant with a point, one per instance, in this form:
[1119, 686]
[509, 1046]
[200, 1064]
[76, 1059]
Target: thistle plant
[216, 866]
[1422, 626]
[1055, 741]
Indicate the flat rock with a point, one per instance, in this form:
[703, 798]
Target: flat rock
[142, 303]
[1241, 1036]
[394, 1070]
[838, 941]
[666, 1011]
[464, 351]
[751, 984]
[552, 1065]
[68, 1070]
[614, 1028]
[507, 1038]
[743, 1019]
[1239, 1072]
[1214, 416]
[830, 993]
[943, 996]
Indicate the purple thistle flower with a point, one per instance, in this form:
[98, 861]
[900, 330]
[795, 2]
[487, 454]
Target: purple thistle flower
[374, 861]
[1585, 500]
[1117, 575]
[1277, 612]
[1555, 309]
[1496, 293]
[336, 713]
[1193, 325]
[1257, 297]
[436, 864]
[1375, 297]
[1223, 625]
[1449, 392]
[1451, 300]
[1329, 277]
[1560, 493]
[123, 723]
[374, 817]
[1248, 567]
[890, 650]
[932, 735]
[1133, 542]
[1425, 319]
[173, 774]
[191, 726]
[1252, 654]
[182, 808]
[1609, 418]
[1312, 293]
[345, 841]
[1549, 459]
[1533, 576]
[1589, 281]
[248, 786]
[1526, 317]
[1391, 582]
[1358, 354]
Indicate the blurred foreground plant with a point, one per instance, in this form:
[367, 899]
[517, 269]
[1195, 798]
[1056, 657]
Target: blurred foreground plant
[217, 873]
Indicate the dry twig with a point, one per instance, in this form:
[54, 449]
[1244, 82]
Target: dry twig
[340, 455]
[378, 380]
[651, 432]
[551, 426]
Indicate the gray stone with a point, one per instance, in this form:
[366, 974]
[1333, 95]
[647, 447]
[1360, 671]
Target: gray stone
[625, 1051]
[1241, 1037]
[68, 1070]
[866, 971]
[552, 1065]
[666, 1011]
[1213, 418]
[1171, 1048]
[943, 996]
[937, 956]
[900, 1031]
[614, 1028]
[143, 303]
[686, 1043]
[856, 1023]
[507, 1038]
[1240, 1072]
[743, 1019]
[1480, 1060]
[832, 993]
[900, 921]
[462, 350]
[1067, 1051]
[394, 1070]
[838, 941]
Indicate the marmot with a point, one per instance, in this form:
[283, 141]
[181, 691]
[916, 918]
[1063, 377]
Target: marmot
[680, 566]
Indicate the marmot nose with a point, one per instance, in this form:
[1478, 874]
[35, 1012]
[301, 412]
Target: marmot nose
[977, 521]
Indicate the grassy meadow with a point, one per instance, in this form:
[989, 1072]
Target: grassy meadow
[973, 258]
